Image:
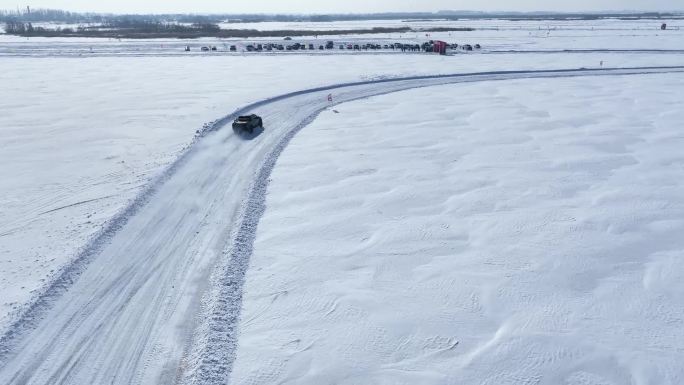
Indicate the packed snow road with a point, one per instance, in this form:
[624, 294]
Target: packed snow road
[127, 311]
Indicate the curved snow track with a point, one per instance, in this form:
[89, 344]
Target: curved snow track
[155, 299]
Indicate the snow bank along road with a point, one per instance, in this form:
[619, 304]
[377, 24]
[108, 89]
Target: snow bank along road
[129, 309]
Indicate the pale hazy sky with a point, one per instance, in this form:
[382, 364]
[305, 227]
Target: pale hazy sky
[339, 6]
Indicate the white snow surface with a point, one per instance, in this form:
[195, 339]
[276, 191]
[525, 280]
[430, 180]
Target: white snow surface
[486, 24]
[508, 232]
[82, 137]
[128, 309]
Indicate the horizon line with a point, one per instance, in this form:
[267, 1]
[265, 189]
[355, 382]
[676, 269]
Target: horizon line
[463, 12]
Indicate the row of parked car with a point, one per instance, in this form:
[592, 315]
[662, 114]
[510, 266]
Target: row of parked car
[465, 47]
[427, 47]
[286, 47]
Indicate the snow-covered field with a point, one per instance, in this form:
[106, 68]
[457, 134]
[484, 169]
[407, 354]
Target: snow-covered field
[72, 159]
[496, 222]
[81, 138]
[493, 35]
[525, 231]
[480, 24]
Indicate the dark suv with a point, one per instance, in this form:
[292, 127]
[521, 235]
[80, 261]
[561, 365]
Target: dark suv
[247, 123]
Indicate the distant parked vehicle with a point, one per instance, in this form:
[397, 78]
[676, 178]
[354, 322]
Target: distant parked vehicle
[311, 46]
[233, 48]
[320, 47]
[663, 26]
[477, 46]
[205, 49]
[439, 47]
[341, 46]
[349, 46]
[247, 123]
[213, 48]
[187, 48]
[250, 48]
[329, 44]
[356, 47]
[280, 47]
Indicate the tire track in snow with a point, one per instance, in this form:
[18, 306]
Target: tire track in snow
[62, 335]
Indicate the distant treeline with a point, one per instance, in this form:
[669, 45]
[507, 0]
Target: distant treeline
[47, 15]
[59, 16]
[145, 29]
[119, 28]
